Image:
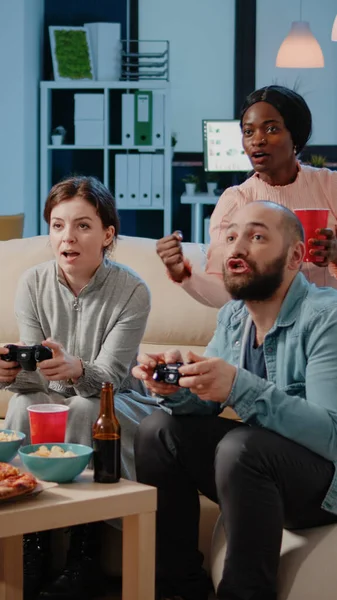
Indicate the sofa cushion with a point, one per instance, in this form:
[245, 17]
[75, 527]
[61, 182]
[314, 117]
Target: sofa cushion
[175, 319]
[15, 257]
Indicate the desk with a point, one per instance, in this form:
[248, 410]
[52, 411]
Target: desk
[197, 201]
[84, 501]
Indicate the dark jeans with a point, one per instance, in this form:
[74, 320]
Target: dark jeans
[262, 482]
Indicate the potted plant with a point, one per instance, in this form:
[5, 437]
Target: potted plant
[58, 135]
[211, 182]
[317, 160]
[174, 142]
[191, 183]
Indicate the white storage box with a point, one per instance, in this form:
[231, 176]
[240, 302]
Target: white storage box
[89, 107]
[106, 50]
[89, 133]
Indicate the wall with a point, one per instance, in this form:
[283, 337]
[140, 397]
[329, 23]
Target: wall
[31, 92]
[11, 108]
[201, 36]
[318, 86]
[21, 56]
[19, 75]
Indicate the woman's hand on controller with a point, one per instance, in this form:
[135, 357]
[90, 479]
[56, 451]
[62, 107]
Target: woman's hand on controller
[170, 251]
[62, 366]
[8, 370]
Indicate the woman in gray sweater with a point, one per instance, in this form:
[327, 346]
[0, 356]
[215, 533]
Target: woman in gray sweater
[90, 311]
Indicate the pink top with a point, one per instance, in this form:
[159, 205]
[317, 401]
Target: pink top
[312, 188]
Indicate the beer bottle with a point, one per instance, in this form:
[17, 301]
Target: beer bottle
[106, 433]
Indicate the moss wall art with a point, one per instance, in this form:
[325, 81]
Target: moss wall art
[71, 53]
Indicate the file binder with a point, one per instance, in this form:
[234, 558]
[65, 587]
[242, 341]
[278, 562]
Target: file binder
[143, 118]
[157, 180]
[121, 180]
[133, 180]
[158, 119]
[128, 120]
[145, 168]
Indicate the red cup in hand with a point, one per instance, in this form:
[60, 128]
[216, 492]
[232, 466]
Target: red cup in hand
[312, 219]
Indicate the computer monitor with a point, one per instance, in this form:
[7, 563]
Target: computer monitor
[223, 146]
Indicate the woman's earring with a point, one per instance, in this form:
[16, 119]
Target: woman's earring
[295, 150]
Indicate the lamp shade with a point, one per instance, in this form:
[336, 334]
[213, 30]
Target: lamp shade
[300, 49]
[334, 30]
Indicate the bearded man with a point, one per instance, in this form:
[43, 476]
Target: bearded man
[273, 360]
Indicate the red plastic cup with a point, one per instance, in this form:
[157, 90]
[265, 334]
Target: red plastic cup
[47, 422]
[312, 219]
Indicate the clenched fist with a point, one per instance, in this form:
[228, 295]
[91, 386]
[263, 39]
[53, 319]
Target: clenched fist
[170, 251]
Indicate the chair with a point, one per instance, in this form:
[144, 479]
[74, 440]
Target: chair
[307, 567]
[11, 226]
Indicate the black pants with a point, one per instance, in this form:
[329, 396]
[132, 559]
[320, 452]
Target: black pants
[262, 482]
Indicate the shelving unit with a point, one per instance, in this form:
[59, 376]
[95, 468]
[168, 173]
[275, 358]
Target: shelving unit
[57, 108]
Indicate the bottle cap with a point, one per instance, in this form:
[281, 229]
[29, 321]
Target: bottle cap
[107, 384]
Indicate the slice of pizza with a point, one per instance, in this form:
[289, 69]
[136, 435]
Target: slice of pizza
[17, 485]
[7, 470]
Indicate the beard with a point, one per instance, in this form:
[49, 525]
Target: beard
[257, 285]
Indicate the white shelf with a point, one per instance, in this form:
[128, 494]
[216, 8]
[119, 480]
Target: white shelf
[139, 148]
[199, 198]
[148, 84]
[109, 147]
[107, 151]
[140, 207]
[73, 147]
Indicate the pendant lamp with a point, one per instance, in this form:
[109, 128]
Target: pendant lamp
[300, 49]
[334, 30]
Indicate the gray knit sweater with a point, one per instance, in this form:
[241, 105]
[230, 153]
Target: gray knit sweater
[103, 325]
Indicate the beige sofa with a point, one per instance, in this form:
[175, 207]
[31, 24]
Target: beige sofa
[308, 566]
[176, 320]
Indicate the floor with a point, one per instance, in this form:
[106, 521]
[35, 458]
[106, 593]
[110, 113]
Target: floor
[116, 594]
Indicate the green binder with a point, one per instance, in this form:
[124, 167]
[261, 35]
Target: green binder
[143, 118]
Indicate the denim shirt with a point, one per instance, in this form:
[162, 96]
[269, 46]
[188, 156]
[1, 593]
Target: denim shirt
[299, 397]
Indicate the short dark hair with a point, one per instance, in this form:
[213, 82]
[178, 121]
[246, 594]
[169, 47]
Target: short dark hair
[291, 106]
[90, 189]
[291, 224]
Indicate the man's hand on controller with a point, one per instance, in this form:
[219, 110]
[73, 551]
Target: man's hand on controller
[62, 366]
[146, 366]
[8, 370]
[210, 378]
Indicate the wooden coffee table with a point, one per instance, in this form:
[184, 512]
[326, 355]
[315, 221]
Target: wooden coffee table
[79, 502]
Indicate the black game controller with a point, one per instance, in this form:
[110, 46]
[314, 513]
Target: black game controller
[167, 373]
[27, 356]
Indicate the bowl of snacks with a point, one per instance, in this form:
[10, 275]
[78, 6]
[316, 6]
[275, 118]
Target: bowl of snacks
[10, 442]
[55, 462]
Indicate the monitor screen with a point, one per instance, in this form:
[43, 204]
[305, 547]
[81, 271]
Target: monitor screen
[223, 146]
